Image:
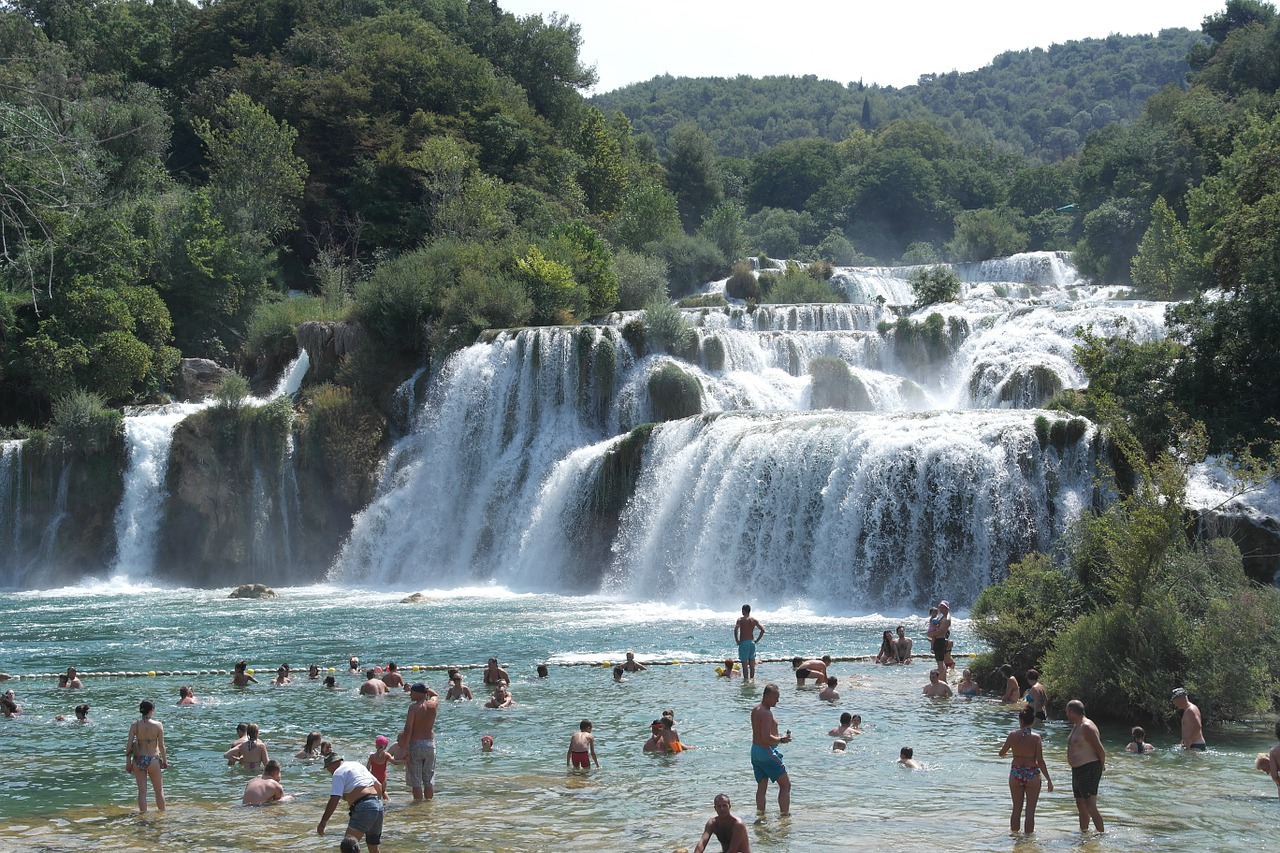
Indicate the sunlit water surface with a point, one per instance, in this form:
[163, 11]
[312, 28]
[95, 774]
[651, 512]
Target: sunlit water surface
[66, 788]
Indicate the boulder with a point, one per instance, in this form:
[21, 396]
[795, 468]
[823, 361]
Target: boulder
[328, 343]
[1258, 539]
[253, 590]
[416, 598]
[198, 378]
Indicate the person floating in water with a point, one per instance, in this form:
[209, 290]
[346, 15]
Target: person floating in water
[747, 631]
[582, 748]
[145, 756]
[1024, 772]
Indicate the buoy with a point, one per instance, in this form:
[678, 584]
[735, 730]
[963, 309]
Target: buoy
[251, 672]
[415, 667]
[675, 661]
[151, 673]
[332, 669]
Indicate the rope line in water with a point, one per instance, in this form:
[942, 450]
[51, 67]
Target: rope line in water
[155, 673]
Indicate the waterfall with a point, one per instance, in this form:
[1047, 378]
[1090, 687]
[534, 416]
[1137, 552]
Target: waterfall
[148, 433]
[10, 506]
[291, 378]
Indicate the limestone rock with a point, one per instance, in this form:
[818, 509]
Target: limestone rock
[253, 590]
[416, 598]
[328, 343]
[198, 378]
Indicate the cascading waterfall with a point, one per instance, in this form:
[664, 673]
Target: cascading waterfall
[11, 501]
[512, 471]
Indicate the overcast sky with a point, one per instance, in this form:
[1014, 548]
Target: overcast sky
[890, 43]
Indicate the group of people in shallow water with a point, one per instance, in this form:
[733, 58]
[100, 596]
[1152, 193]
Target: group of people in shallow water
[364, 786]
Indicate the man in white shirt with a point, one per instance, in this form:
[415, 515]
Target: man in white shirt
[354, 783]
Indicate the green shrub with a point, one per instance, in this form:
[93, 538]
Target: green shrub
[83, 422]
[641, 279]
[796, 286]
[703, 300]
[691, 261]
[344, 435]
[820, 270]
[835, 387]
[665, 328]
[1042, 431]
[398, 299]
[929, 342]
[633, 332]
[985, 233]
[270, 330]
[935, 284]
[920, 253]
[674, 394]
[742, 283]
[713, 353]
[481, 300]
[231, 392]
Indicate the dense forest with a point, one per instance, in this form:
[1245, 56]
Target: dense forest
[428, 169]
[1039, 103]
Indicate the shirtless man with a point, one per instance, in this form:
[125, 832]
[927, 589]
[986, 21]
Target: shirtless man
[392, 677]
[633, 665]
[1088, 760]
[747, 631]
[494, 674]
[936, 688]
[1192, 725]
[815, 668]
[656, 741]
[73, 680]
[372, 686]
[418, 740]
[265, 788]
[902, 645]
[938, 632]
[354, 783]
[457, 690]
[766, 761]
[1274, 759]
[501, 697]
[729, 830]
[829, 693]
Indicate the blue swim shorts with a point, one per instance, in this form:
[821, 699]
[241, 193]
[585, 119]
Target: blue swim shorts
[766, 761]
[746, 650]
[366, 817]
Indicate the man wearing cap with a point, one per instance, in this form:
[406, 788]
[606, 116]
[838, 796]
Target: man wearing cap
[418, 739]
[355, 784]
[939, 631]
[1192, 725]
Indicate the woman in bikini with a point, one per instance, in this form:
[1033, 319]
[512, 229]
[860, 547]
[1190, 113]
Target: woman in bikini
[1011, 689]
[251, 754]
[887, 653]
[967, 686]
[1024, 773]
[144, 755]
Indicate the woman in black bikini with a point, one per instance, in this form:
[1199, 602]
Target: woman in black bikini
[144, 755]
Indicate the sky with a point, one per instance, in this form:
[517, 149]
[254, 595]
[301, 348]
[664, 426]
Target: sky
[889, 43]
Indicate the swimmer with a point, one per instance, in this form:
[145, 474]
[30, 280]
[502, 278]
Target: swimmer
[829, 693]
[372, 685]
[501, 698]
[617, 674]
[457, 690]
[837, 745]
[378, 761]
[266, 788]
[542, 670]
[887, 653]
[330, 682]
[850, 725]
[251, 754]
[729, 830]
[145, 756]
[936, 688]
[353, 664]
[240, 676]
[282, 676]
[311, 748]
[906, 755]
[73, 680]
[1024, 773]
[582, 748]
[313, 672]
[494, 674]
[656, 742]
[82, 713]
[902, 645]
[187, 696]
[670, 739]
[1011, 689]
[392, 677]
[8, 705]
[728, 669]
[633, 665]
[486, 743]
[1139, 743]
[967, 686]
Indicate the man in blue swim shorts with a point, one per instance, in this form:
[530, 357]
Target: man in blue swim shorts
[747, 631]
[766, 761]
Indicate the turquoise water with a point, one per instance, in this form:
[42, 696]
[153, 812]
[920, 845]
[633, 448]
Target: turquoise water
[66, 789]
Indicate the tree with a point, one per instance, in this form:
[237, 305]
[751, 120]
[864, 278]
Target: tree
[790, 172]
[1165, 264]
[691, 174]
[603, 175]
[983, 234]
[935, 284]
[723, 226]
[649, 212]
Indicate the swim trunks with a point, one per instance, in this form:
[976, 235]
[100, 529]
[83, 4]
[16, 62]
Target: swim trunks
[1023, 773]
[580, 759]
[366, 816]
[1200, 746]
[746, 650]
[939, 649]
[766, 761]
[420, 768]
[1085, 779]
[802, 674]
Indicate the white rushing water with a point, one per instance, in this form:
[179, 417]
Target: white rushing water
[509, 469]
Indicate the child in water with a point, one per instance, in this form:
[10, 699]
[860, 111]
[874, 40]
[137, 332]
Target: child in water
[486, 743]
[582, 748]
[906, 757]
[378, 761]
[1139, 744]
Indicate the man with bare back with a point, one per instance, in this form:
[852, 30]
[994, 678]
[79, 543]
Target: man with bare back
[1088, 760]
[418, 740]
[747, 631]
[766, 761]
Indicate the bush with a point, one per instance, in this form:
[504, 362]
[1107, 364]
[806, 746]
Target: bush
[929, 342]
[713, 353]
[835, 387]
[742, 283]
[83, 422]
[985, 233]
[231, 392]
[641, 279]
[270, 330]
[480, 300]
[837, 249]
[674, 394]
[665, 328]
[797, 286]
[396, 303]
[691, 261]
[344, 434]
[703, 300]
[935, 284]
[920, 253]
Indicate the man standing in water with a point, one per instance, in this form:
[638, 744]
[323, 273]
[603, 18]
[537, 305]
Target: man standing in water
[418, 739]
[766, 761]
[747, 631]
[1192, 725]
[1087, 759]
[939, 631]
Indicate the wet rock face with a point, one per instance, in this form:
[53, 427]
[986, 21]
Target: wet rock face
[328, 343]
[253, 590]
[1257, 539]
[198, 378]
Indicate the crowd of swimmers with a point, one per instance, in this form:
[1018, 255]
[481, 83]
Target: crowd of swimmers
[363, 786]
